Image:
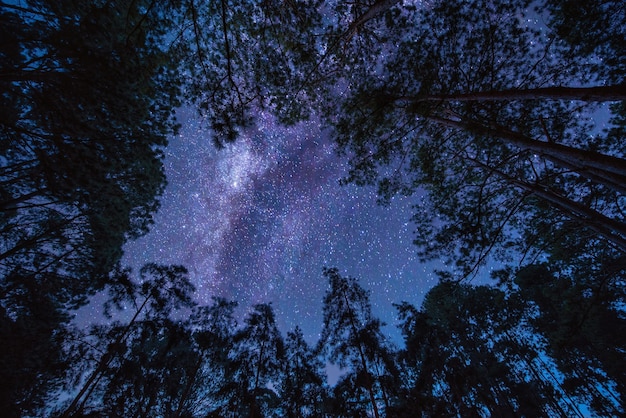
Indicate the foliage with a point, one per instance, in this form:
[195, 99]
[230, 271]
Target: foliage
[244, 57]
[479, 113]
[469, 105]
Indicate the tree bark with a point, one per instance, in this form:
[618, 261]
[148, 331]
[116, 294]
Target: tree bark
[611, 229]
[605, 169]
[586, 94]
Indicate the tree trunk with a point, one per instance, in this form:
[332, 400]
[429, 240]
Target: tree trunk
[540, 378]
[102, 365]
[611, 229]
[185, 395]
[585, 94]
[256, 381]
[370, 385]
[606, 169]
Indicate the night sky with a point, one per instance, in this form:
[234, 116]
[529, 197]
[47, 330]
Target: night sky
[257, 221]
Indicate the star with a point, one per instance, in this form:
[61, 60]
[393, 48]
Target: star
[257, 221]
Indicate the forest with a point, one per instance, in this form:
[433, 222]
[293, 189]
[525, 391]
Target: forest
[507, 118]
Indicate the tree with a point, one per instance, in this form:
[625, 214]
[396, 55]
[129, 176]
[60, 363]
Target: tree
[154, 368]
[87, 101]
[471, 106]
[32, 358]
[213, 329]
[243, 58]
[594, 30]
[303, 387]
[468, 352]
[256, 366]
[162, 289]
[352, 338]
[583, 331]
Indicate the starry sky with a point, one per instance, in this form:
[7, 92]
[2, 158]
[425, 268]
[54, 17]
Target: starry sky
[257, 221]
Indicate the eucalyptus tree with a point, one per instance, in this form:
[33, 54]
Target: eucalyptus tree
[154, 368]
[467, 352]
[583, 326]
[486, 114]
[593, 30]
[214, 328]
[162, 290]
[353, 339]
[88, 95]
[241, 58]
[86, 98]
[33, 363]
[303, 389]
[255, 368]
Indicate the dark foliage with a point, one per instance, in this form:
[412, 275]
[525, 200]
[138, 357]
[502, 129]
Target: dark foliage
[490, 115]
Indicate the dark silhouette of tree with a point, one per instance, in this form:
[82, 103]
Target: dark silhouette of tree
[352, 338]
[591, 30]
[246, 57]
[32, 358]
[303, 389]
[154, 368]
[86, 106]
[162, 289]
[468, 352]
[584, 331]
[256, 366]
[214, 328]
[472, 106]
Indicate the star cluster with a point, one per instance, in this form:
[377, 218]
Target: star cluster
[257, 221]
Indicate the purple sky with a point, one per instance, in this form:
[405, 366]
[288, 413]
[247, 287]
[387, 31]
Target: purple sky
[256, 222]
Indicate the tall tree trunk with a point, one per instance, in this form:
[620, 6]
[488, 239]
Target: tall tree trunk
[256, 381]
[611, 229]
[104, 362]
[383, 392]
[185, 395]
[605, 169]
[541, 379]
[370, 385]
[585, 94]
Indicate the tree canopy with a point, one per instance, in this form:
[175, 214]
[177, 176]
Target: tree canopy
[504, 120]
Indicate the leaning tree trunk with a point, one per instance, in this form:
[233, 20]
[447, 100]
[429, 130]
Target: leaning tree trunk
[585, 94]
[103, 364]
[605, 169]
[611, 229]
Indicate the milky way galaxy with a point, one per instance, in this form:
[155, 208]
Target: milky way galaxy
[257, 221]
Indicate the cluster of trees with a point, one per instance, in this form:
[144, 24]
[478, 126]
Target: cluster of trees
[487, 116]
[494, 120]
[546, 349]
[86, 106]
